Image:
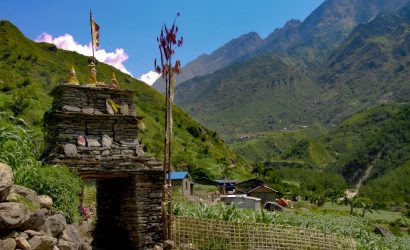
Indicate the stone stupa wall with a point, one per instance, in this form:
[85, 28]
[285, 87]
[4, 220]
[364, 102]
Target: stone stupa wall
[94, 130]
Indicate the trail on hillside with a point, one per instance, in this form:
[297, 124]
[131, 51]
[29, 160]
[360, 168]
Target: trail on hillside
[367, 172]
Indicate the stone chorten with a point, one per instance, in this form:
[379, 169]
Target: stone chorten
[94, 130]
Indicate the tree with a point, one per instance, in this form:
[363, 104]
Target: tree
[167, 42]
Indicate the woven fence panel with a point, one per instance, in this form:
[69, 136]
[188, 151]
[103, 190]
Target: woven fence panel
[191, 233]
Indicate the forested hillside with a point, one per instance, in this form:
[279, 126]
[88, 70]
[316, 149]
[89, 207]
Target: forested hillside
[29, 70]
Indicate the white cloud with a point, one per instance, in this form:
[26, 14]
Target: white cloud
[67, 42]
[150, 77]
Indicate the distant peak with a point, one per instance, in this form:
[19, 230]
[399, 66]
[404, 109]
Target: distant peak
[250, 35]
[292, 23]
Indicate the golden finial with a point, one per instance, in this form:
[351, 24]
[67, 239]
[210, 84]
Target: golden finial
[92, 75]
[114, 83]
[73, 76]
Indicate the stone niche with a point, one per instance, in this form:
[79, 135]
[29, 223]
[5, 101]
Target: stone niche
[94, 130]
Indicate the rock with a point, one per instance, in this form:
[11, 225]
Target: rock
[45, 201]
[81, 141]
[88, 110]
[6, 181]
[97, 112]
[22, 243]
[383, 231]
[124, 109]
[7, 244]
[12, 215]
[23, 235]
[13, 234]
[139, 151]
[105, 153]
[27, 193]
[93, 143]
[85, 228]
[70, 150]
[36, 220]
[70, 238]
[85, 246]
[71, 108]
[54, 225]
[13, 197]
[106, 141]
[169, 244]
[72, 234]
[157, 247]
[42, 242]
[66, 245]
[32, 232]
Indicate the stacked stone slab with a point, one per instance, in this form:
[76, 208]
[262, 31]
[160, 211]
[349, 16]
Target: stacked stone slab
[84, 132]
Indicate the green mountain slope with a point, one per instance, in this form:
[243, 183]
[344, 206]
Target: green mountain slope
[316, 147]
[260, 94]
[28, 71]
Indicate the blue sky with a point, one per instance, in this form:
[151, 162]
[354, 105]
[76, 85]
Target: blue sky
[133, 25]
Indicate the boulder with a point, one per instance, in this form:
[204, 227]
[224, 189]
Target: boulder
[70, 150]
[22, 243]
[54, 225]
[67, 245]
[45, 201]
[71, 237]
[12, 215]
[6, 181]
[86, 228]
[27, 193]
[42, 242]
[8, 244]
[36, 220]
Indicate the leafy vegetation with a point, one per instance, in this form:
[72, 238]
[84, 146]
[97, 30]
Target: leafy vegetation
[20, 148]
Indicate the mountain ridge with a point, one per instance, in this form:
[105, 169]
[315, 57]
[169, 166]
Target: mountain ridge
[221, 57]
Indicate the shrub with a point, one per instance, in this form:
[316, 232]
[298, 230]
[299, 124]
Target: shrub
[19, 148]
[59, 183]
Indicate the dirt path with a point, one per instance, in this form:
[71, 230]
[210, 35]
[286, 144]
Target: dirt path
[367, 172]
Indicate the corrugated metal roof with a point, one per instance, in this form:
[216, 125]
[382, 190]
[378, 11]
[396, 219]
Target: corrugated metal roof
[226, 181]
[179, 175]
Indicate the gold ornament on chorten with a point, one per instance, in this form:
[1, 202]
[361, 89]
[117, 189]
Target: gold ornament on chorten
[113, 83]
[72, 79]
[92, 74]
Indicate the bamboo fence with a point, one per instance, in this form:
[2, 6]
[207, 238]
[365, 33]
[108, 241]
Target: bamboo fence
[192, 233]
